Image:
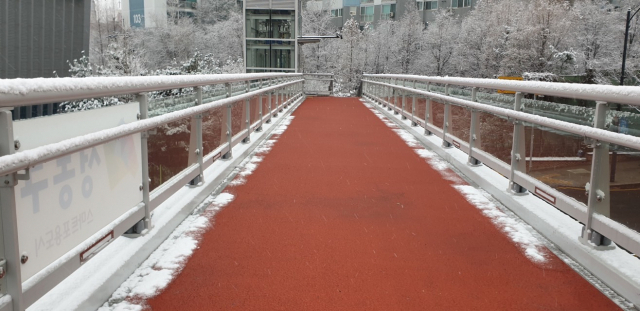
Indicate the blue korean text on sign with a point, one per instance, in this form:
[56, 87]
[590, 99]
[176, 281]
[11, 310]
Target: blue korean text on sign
[136, 13]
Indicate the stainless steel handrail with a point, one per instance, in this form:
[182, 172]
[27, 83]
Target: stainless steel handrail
[613, 94]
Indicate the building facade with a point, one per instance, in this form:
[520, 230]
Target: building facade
[270, 31]
[154, 13]
[374, 11]
[38, 38]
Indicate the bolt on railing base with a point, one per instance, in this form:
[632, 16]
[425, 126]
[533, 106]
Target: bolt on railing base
[517, 189]
[227, 156]
[413, 123]
[246, 140]
[474, 162]
[137, 230]
[446, 144]
[196, 180]
[594, 238]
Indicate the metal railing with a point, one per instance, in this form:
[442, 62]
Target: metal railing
[318, 84]
[394, 91]
[221, 93]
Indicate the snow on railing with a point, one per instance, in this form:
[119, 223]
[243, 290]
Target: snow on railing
[102, 154]
[394, 91]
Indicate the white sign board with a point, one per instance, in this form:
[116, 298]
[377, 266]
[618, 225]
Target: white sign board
[69, 199]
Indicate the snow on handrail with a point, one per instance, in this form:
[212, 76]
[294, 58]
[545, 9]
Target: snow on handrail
[609, 93]
[21, 160]
[581, 130]
[22, 92]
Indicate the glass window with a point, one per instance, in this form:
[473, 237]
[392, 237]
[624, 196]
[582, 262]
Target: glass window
[270, 24]
[460, 3]
[270, 54]
[367, 13]
[336, 13]
[353, 10]
[431, 5]
[388, 11]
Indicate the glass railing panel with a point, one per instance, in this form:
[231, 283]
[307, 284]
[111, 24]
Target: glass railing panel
[437, 113]
[237, 117]
[168, 151]
[255, 112]
[265, 104]
[213, 134]
[461, 119]
[496, 136]
[558, 159]
[421, 104]
[625, 169]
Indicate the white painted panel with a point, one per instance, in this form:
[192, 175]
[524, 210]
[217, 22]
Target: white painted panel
[38, 132]
[69, 199]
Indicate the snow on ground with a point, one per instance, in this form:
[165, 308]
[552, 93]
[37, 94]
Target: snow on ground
[516, 229]
[166, 262]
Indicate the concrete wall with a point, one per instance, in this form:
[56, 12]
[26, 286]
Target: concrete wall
[38, 37]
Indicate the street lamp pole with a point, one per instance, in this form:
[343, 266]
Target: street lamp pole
[614, 154]
[626, 38]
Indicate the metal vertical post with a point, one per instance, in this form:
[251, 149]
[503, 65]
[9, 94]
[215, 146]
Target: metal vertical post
[474, 131]
[260, 112]
[404, 99]
[12, 280]
[447, 120]
[518, 151]
[598, 186]
[413, 106]
[427, 113]
[280, 99]
[227, 116]
[200, 152]
[247, 115]
[195, 144]
[143, 101]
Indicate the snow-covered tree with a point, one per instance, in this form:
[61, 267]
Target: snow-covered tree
[441, 40]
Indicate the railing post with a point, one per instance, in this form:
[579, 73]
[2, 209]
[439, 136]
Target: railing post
[413, 106]
[474, 131]
[260, 112]
[391, 97]
[598, 186]
[404, 100]
[385, 95]
[227, 116]
[195, 150]
[396, 98]
[10, 260]
[280, 98]
[247, 113]
[303, 82]
[447, 120]
[427, 113]
[518, 162]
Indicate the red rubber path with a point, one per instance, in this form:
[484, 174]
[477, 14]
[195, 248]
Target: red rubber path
[343, 215]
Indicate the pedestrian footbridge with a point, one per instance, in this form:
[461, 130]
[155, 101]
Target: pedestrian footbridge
[245, 191]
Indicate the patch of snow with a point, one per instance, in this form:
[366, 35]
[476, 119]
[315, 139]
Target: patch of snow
[252, 162]
[514, 228]
[88, 280]
[166, 262]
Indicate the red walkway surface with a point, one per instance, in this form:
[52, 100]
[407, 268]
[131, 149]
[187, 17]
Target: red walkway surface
[343, 215]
